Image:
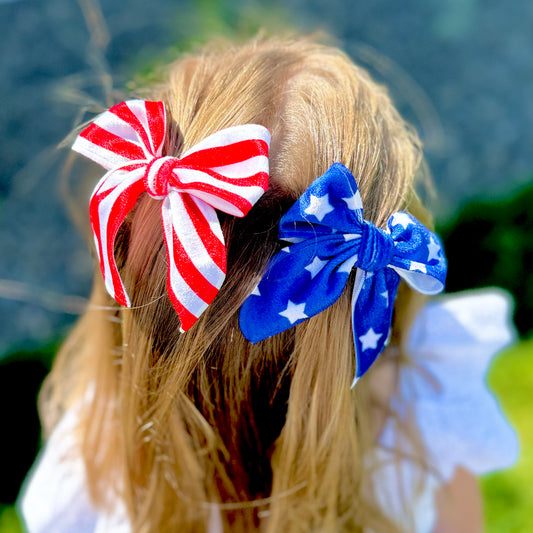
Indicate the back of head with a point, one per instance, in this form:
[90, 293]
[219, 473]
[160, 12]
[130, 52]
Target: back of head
[269, 435]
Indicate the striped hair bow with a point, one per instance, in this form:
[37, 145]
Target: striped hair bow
[329, 238]
[227, 171]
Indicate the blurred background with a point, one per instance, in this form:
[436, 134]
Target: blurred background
[461, 71]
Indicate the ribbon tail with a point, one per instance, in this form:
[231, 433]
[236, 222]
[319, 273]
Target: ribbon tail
[196, 255]
[372, 304]
[112, 200]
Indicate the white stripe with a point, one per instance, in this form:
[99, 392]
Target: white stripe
[217, 203]
[184, 294]
[116, 125]
[244, 169]
[104, 210]
[121, 128]
[114, 177]
[173, 210]
[211, 216]
[98, 154]
[138, 108]
[231, 135]
[187, 175]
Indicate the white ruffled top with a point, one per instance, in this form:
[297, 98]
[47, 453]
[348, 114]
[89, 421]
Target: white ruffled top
[452, 343]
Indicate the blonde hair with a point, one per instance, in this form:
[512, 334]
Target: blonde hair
[270, 435]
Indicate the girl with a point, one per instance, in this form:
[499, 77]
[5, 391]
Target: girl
[250, 225]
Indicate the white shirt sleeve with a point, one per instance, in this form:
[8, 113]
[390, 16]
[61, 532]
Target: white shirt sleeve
[452, 342]
[55, 497]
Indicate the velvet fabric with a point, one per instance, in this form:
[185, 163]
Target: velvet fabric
[327, 238]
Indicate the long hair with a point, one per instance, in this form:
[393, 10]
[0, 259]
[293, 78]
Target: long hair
[187, 427]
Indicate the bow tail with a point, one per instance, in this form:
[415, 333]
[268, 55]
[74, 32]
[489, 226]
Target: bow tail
[113, 198]
[196, 255]
[372, 304]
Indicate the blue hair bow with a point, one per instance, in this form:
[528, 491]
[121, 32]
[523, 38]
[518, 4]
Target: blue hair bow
[329, 237]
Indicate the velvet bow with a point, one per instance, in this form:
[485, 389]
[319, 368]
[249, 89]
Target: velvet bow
[227, 171]
[328, 237]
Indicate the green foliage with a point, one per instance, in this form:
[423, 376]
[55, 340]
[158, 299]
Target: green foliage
[9, 520]
[203, 21]
[491, 243]
[508, 495]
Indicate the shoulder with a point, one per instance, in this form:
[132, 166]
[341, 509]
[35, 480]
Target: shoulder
[55, 497]
[443, 394]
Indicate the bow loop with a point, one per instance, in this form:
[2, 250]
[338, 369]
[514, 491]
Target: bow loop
[227, 171]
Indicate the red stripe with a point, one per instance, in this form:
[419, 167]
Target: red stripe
[120, 208]
[124, 112]
[130, 167]
[230, 154]
[240, 202]
[255, 180]
[103, 138]
[215, 248]
[155, 112]
[95, 225]
[187, 319]
[192, 276]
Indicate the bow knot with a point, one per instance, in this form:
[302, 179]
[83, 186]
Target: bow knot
[376, 248]
[158, 174]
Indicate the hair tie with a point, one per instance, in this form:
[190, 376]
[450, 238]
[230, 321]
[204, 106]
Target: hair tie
[227, 171]
[329, 237]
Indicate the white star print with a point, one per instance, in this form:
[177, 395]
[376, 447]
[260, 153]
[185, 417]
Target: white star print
[401, 219]
[319, 206]
[354, 202]
[350, 236]
[256, 292]
[370, 339]
[385, 295]
[294, 312]
[287, 249]
[433, 250]
[347, 265]
[420, 267]
[316, 266]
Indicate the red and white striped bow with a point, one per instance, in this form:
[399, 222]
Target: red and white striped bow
[227, 171]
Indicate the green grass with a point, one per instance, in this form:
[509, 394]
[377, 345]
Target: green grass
[9, 521]
[508, 495]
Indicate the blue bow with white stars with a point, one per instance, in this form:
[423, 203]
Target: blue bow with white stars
[329, 237]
